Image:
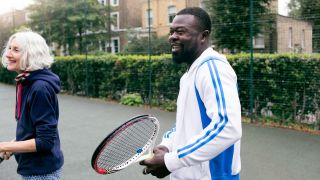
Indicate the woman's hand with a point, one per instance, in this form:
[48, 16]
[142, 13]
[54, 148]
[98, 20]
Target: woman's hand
[5, 155]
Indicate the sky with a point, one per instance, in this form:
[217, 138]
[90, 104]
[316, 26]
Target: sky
[8, 5]
[282, 7]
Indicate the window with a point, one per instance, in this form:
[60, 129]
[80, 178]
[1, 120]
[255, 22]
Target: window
[172, 11]
[102, 46]
[102, 2]
[151, 17]
[115, 20]
[115, 45]
[302, 39]
[258, 41]
[114, 2]
[202, 4]
[290, 38]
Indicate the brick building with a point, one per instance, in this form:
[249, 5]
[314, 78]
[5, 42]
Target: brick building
[126, 17]
[162, 13]
[282, 34]
[294, 36]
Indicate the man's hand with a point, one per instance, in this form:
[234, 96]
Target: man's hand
[156, 165]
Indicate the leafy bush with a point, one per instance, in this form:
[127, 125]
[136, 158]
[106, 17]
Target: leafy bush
[133, 99]
[170, 106]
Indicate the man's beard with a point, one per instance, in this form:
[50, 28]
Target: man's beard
[177, 58]
[180, 57]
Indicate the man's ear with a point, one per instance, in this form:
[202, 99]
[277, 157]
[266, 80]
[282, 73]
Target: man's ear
[205, 35]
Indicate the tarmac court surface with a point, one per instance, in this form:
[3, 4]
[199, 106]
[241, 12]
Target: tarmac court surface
[266, 153]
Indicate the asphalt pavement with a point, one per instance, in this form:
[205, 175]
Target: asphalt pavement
[267, 153]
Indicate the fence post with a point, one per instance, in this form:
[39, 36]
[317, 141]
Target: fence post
[251, 64]
[149, 54]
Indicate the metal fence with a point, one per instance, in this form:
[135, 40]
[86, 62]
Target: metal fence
[238, 27]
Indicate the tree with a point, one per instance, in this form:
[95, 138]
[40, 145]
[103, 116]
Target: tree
[231, 22]
[308, 10]
[294, 8]
[5, 33]
[71, 24]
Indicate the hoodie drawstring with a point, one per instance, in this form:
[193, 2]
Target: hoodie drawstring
[18, 99]
[22, 76]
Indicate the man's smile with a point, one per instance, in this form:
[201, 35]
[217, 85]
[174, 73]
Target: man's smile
[175, 48]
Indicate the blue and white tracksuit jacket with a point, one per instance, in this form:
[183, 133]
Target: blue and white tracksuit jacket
[205, 144]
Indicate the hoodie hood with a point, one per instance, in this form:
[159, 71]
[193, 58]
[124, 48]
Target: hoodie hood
[44, 75]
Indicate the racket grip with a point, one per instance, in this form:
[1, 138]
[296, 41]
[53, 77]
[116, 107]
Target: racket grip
[147, 156]
[1, 157]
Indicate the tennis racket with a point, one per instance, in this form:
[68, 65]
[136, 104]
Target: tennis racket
[126, 145]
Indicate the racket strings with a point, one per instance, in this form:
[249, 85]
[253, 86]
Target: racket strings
[119, 150]
[126, 144]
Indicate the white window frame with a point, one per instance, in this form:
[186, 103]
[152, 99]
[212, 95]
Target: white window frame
[202, 4]
[116, 26]
[103, 3]
[151, 18]
[290, 34]
[258, 41]
[172, 11]
[303, 40]
[113, 48]
[103, 45]
[112, 3]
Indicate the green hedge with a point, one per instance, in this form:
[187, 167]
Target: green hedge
[286, 86]
[114, 76]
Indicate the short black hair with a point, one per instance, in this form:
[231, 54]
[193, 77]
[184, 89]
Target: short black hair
[202, 16]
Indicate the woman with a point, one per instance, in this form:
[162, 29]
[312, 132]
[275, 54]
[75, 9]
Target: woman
[37, 145]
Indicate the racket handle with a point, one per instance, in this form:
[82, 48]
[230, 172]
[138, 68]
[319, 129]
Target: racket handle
[147, 156]
[1, 157]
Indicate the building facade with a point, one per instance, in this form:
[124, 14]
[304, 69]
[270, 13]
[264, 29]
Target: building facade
[282, 35]
[125, 17]
[132, 17]
[293, 36]
[162, 13]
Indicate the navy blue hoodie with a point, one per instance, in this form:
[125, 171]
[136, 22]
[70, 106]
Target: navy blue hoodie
[39, 114]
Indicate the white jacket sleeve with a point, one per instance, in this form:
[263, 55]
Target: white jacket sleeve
[167, 139]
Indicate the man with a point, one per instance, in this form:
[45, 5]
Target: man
[205, 144]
